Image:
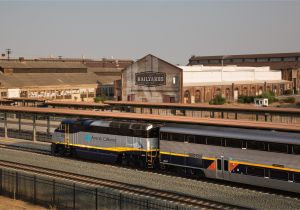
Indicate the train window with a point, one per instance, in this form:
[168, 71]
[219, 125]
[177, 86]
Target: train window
[276, 147]
[189, 139]
[256, 145]
[237, 143]
[200, 139]
[278, 174]
[255, 171]
[297, 177]
[219, 164]
[225, 165]
[296, 149]
[217, 141]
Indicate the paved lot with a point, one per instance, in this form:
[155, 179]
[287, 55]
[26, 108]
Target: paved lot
[11, 204]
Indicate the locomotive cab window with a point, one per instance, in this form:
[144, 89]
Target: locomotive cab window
[236, 143]
[275, 147]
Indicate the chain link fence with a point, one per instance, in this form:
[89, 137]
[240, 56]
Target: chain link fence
[60, 194]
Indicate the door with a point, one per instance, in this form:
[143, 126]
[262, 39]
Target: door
[222, 168]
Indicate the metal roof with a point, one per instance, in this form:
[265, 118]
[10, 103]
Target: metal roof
[235, 133]
[22, 80]
[40, 64]
[154, 118]
[203, 106]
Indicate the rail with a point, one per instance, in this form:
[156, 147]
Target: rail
[179, 199]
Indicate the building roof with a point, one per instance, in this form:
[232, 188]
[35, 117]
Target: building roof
[154, 57]
[29, 64]
[269, 55]
[235, 82]
[27, 80]
[155, 118]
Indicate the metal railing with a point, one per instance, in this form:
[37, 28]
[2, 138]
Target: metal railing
[60, 194]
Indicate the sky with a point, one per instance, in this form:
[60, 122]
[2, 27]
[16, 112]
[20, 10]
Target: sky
[130, 29]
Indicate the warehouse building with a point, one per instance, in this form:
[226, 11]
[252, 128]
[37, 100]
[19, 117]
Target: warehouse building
[288, 63]
[49, 80]
[202, 83]
[151, 79]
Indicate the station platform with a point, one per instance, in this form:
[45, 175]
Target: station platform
[12, 204]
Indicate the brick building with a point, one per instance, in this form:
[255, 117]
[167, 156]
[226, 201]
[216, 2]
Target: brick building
[288, 63]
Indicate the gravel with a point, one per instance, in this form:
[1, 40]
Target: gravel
[208, 190]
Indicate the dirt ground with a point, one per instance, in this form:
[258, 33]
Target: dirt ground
[11, 204]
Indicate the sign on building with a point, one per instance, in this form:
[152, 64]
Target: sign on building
[150, 79]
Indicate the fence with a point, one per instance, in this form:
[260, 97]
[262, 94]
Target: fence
[61, 194]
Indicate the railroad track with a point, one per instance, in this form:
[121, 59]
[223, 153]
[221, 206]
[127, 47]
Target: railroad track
[170, 174]
[25, 149]
[181, 199]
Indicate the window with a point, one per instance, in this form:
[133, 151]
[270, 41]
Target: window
[203, 61]
[277, 174]
[250, 60]
[297, 177]
[174, 80]
[290, 59]
[227, 61]
[262, 59]
[255, 171]
[225, 165]
[275, 59]
[238, 60]
[237, 143]
[214, 61]
[219, 164]
[275, 147]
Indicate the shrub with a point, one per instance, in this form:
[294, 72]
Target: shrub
[289, 100]
[269, 95]
[99, 99]
[246, 99]
[217, 100]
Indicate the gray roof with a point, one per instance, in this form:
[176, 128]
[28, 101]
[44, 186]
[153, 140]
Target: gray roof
[40, 64]
[22, 80]
[235, 133]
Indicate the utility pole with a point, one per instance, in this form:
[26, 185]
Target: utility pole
[8, 51]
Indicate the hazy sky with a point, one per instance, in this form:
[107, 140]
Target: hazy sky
[171, 30]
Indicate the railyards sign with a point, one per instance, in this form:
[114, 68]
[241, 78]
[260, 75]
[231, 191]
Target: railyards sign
[150, 79]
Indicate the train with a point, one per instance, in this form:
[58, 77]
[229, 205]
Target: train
[264, 158]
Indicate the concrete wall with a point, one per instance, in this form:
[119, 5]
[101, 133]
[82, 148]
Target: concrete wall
[203, 74]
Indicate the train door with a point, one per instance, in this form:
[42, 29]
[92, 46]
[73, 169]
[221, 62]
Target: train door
[222, 168]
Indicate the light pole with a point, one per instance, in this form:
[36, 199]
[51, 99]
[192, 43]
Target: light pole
[8, 51]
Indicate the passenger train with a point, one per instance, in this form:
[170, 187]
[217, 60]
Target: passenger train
[250, 156]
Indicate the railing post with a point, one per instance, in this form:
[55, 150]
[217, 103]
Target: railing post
[74, 195]
[5, 124]
[96, 198]
[1, 174]
[34, 189]
[16, 186]
[53, 192]
[120, 201]
[34, 127]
